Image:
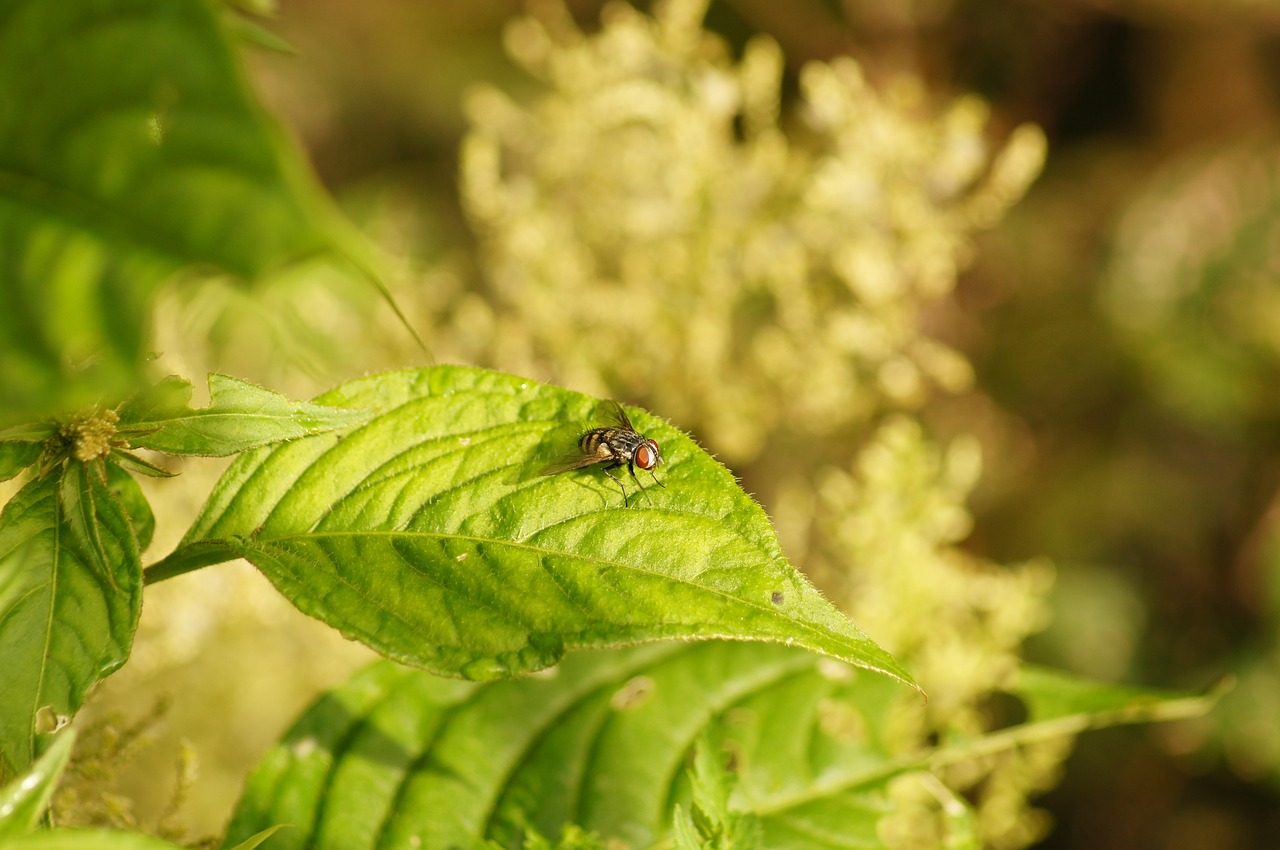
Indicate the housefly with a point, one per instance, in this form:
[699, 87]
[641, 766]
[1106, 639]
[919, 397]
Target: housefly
[616, 444]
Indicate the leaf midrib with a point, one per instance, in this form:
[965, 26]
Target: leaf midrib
[433, 535]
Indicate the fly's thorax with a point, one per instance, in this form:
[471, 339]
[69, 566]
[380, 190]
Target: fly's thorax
[611, 443]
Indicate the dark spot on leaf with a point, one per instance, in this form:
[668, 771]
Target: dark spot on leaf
[777, 597]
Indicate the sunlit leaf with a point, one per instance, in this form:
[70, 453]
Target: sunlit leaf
[70, 595]
[398, 758]
[430, 535]
[401, 758]
[133, 148]
[89, 839]
[257, 838]
[24, 800]
[240, 416]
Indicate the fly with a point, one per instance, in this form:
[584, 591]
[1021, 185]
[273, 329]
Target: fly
[616, 444]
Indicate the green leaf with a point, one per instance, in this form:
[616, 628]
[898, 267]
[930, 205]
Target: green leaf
[1057, 700]
[15, 457]
[89, 839]
[710, 823]
[24, 800]
[132, 463]
[240, 416]
[130, 496]
[257, 838]
[70, 595]
[133, 147]
[398, 757]
[430, 535]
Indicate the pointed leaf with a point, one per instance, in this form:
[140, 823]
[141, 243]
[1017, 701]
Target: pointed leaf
[240, 416]
[132, 463]
[257, 838]
[400, 758]
[70, 595]
[430, 535]
[133, 147]
[24, 800]
[130, 496]
[1053, 697]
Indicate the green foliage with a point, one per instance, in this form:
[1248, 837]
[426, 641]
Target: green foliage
[407, 509]
[438, 505]
[70, 540]
[70, 597]
[1188, 285]
[24, 800]
[709, 823]
[239, 417]
[89, 839]
[16, 456]
[132, 150]
[401, 758]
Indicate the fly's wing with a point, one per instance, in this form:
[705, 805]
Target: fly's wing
[577, 460]
[609, 412]
[612, 413]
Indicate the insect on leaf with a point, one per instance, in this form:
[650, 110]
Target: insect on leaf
[429, 534]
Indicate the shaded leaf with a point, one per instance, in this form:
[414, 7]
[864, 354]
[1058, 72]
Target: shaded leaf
[399, 758]
[240, 416]
[429, 535]
[1054, 697]
[15, 457]
[133, 147]
[130, 496]
[31, 432]
[1187, 283]
[24, 800]
[133, 463]
[70, 595]
[709, 823]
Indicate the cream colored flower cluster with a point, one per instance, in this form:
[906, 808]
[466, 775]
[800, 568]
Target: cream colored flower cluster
[649, 228]
[653, 228]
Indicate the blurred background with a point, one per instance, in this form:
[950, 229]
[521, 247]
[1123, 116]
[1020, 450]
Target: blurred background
[1122, 323]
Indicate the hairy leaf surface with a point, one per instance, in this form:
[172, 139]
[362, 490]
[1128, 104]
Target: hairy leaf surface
[430, 535]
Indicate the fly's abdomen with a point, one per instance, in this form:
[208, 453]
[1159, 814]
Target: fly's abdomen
[597, 442]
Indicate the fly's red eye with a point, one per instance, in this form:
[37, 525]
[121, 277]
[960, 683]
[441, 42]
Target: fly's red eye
[647, 455]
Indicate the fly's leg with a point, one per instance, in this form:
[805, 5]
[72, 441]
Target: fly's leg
[631, 467]
[619, 481]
